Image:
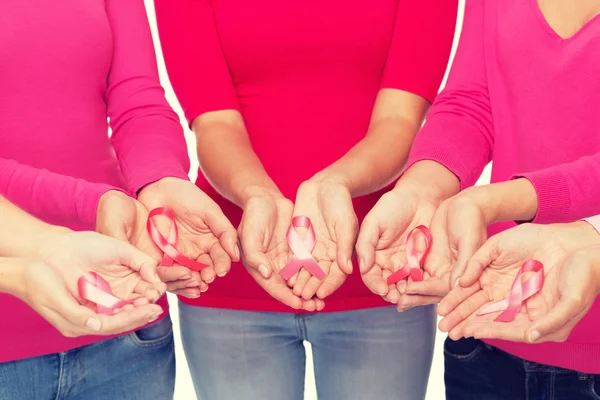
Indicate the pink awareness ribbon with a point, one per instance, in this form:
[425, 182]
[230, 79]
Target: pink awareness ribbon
[94, 288]
[301, 246]
[168, 245]
[519, 292]
[415, 258]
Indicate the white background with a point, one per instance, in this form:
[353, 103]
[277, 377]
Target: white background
[184, 389]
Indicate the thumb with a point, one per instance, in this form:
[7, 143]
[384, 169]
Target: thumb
[477, 263]
[224, 230]
[559, 316]
[368, 237]
[128, 255]
[255, 257]
[345, 234]
[467, 247]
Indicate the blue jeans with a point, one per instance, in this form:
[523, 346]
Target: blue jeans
[477, 371]
[358, 355]
[137, 366]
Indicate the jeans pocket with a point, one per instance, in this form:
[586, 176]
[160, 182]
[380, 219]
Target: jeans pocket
[153, 335]
[594, 386]
[463, 349]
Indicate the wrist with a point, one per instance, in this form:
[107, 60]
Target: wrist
[156, 188]
[259, 191]
[431, 180]
[12, 272]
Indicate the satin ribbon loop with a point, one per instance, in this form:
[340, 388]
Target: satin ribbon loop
[415, 258]
[169, 245]
[94, 288]
[302, 247]
[519, 292]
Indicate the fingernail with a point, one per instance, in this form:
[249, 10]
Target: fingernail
[211, 280]
[93, 324]
[533, 336]
[456, 282]
[186, 277]
[192, 284]
[237, 252]
[361, 264]
[204, 289]
[350, 266]
[221, 274]
[156, 278]
[264, 271]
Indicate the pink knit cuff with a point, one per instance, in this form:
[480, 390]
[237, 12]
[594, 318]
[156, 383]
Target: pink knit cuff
[554, 202]
[88, 200]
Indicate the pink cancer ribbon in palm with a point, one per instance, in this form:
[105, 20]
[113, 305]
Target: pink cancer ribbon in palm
[302, 247]
[168, 245]
[519, 292]
[94, 288]
[415, 258]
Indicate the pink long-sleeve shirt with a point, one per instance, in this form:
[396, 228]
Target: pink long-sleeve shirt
[525, 98]
[65, 67]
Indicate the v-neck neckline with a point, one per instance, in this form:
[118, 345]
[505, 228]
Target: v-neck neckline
[539, 14]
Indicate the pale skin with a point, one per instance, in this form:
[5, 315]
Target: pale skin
[40, 264]
[570, 254]
[474, 208]
[229, 163]
[205, 234]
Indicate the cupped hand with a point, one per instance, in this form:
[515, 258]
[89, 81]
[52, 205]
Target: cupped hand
[459, 229]
[124, 218]
[50, 285]
[569, 289]
[329, 206]
[381, 244]
[205, 233]
[265, 250]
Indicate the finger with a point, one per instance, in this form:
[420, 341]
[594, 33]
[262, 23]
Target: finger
[467, 247]
[255, 258]
[220, 260]
[486, 328]
[409, 301]
[455, 297]
[303, 278]
[129, 319]
[320, 304]
[559, 316]
[190, 293]
[149, 291]
[430, 287]
[227, 234]
[374, 281]
[278, 289]
[309, 305]
[332, 282]
[366, 242]
[478, 262]
[467, 308]
[137, 260]
[176, 273]
[345, 234]
[393, 295]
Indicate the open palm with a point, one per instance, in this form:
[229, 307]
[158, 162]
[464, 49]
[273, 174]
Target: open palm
[381, 244]
[491, 272]
[329, 207]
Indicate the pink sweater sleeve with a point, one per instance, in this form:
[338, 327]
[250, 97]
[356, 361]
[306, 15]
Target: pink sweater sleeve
[458, 132]
[420, 47]
[194, 58]
[55, 198]
[567, 192]
[147, 135]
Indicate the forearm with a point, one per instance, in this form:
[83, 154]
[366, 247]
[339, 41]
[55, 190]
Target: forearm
[514, 200]
[431, 180]
[227, 158]
[22, 235]
[378, 159]
[11, 272]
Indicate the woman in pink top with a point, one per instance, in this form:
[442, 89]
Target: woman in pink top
[66, 67]
[522, 94]
[303, 108]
